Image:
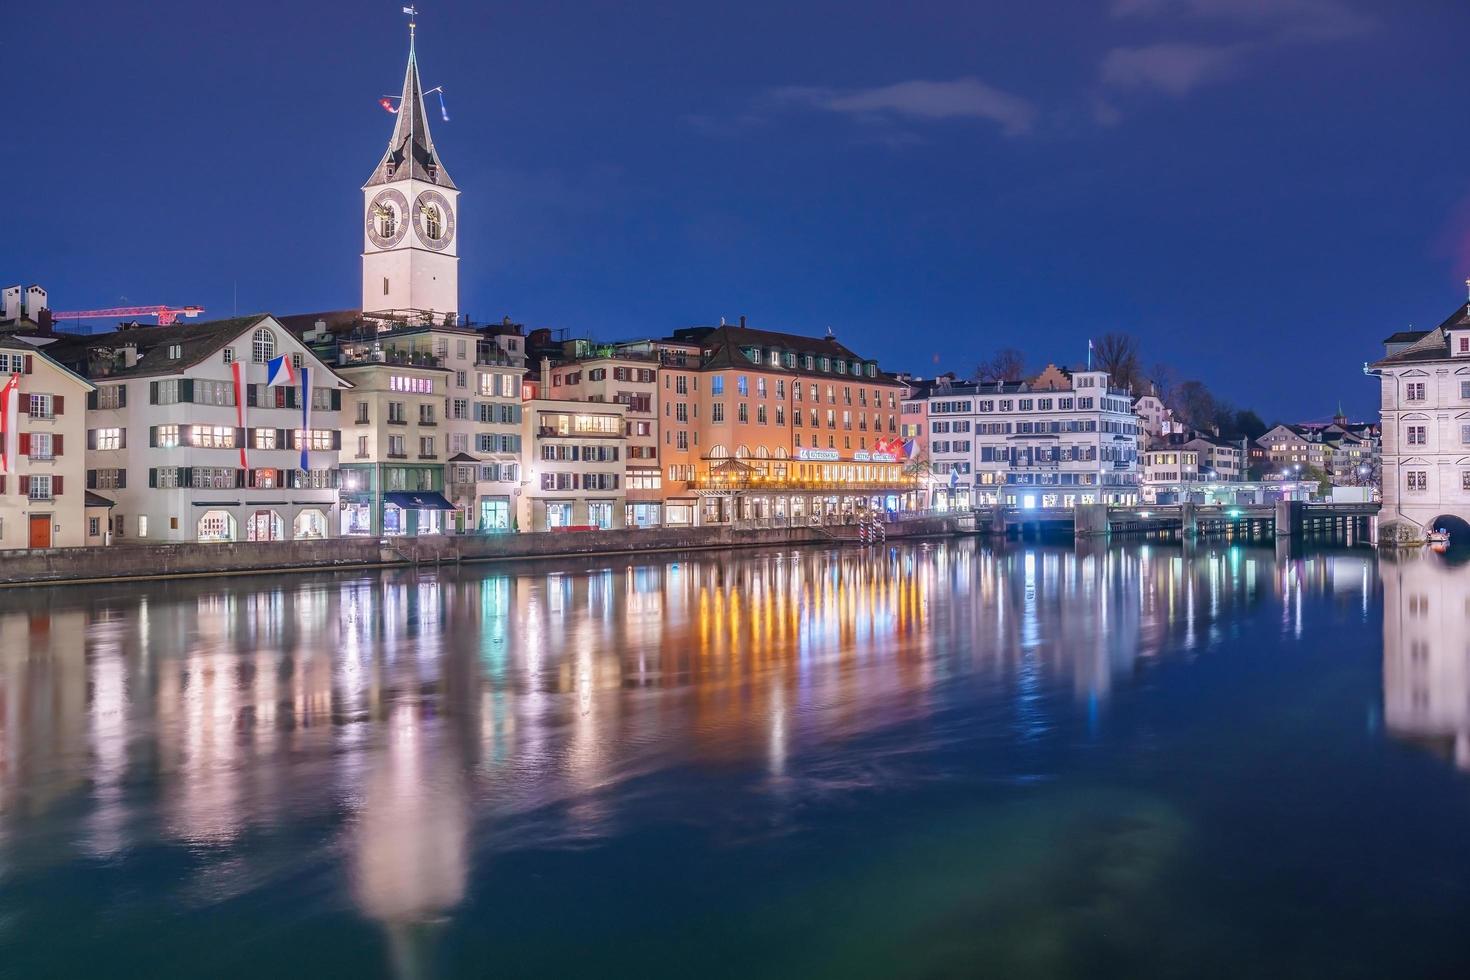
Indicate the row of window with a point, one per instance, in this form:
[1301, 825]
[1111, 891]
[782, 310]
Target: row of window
[38, 486]
[580, 481]
[1070, 403]
[230, 478]
[222, 437]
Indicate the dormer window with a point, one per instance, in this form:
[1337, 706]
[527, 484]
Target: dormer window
[175, 351]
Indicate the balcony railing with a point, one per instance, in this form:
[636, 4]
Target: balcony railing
[796, 484]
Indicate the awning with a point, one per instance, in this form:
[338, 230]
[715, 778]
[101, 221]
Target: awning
[418, 501]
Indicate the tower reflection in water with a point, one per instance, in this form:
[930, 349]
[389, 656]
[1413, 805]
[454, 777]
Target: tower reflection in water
[1426, 653]
[431, 721]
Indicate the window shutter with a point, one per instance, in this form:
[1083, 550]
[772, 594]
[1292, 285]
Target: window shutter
[252, 395]
[25, 443]
[25, 486]
[239, 438]
[91, 479]
[122, 396]
[56, 444]
[153, 437]
[58, 403]
[28, 364]
[290, 397]
[336, 438]
[280, 478]
[153, 392]
[92, 400]
[56, 486]
[336, 399]
[122, 479]
[122, 439]
[283, 438]
[186, 390]
[239, 478]
[91, 438]
[250, 478]
[2, 484]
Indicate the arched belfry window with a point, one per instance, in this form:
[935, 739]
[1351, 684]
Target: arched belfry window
[262, 346]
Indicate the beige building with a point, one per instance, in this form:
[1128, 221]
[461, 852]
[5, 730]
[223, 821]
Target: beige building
[43, 491]
[574, 465]
[633, 382]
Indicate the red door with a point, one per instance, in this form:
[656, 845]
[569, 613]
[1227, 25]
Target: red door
[40, 530]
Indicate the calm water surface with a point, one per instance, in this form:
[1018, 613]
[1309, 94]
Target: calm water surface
[929, 761]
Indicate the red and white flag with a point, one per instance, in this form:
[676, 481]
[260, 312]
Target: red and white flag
[387, 103]
[238, 369]
[9, 424]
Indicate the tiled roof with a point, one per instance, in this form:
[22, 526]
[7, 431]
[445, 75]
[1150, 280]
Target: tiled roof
[726, 344]
[1425, 345]
[94, 499]
[196, 341]
[47, 352]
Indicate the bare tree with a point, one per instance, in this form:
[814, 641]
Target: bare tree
[1117, 354]
[1008, 364]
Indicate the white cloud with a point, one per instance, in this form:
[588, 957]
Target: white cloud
[920, 99]
[1173, 68]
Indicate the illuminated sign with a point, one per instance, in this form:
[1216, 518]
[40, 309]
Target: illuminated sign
[818, 455]
[866, 457]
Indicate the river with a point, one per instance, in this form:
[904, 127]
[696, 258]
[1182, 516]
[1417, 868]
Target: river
[928, 760]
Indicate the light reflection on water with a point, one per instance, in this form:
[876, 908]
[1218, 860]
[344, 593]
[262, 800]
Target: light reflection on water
[422, 755]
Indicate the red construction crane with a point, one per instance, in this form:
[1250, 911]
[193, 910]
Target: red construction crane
[165, 314]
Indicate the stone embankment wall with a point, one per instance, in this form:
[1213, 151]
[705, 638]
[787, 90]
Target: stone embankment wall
[135, 561]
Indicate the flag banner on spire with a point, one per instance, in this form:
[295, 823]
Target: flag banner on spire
[305, 417]
[279, 371]
[10, 424]
[411, 11]
[387, 103]
[442, 110]
[237, 368]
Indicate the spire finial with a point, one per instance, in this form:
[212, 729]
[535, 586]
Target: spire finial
[412, 11]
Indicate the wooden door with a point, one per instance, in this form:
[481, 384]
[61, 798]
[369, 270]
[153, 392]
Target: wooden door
[40, 530]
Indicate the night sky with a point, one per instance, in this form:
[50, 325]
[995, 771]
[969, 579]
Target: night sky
[1259, 189]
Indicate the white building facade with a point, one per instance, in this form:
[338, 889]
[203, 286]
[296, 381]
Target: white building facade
[1424, 382]
[1009, 444]
[169, 442]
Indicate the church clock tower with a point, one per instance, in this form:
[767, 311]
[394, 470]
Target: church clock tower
[410, 260]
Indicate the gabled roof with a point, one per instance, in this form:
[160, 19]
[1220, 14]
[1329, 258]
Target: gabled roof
[411, 141]
[1417, 346]
[196, 342]
[48, 355]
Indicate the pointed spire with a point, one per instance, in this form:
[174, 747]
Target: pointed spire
[411, 145]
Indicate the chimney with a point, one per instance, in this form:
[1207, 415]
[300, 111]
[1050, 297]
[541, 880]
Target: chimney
[545, 377]
[742, 320]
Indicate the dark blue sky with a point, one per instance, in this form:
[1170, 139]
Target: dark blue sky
[1259, 189]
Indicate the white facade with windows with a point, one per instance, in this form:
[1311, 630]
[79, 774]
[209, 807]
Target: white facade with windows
[1424, 384]
[1010, 444]
[574, 466]
[42, 490]
[168, 442]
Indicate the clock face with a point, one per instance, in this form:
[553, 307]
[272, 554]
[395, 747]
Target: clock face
[433, 220]
[387, 218]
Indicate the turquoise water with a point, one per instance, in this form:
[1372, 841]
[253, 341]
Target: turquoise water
[921, 761]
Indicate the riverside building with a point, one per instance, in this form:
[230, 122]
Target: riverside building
[1058, 440]
[43, 474]
[189, 440]
[1424, 380]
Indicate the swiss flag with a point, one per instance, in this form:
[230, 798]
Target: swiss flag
[387, 103]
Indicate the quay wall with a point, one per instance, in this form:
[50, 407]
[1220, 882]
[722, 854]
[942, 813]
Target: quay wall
[139, 561]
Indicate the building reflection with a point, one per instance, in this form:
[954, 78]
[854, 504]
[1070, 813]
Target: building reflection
[1426, 654]
[437, 716]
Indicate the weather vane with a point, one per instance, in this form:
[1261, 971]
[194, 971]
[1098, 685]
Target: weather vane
[388, 101]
